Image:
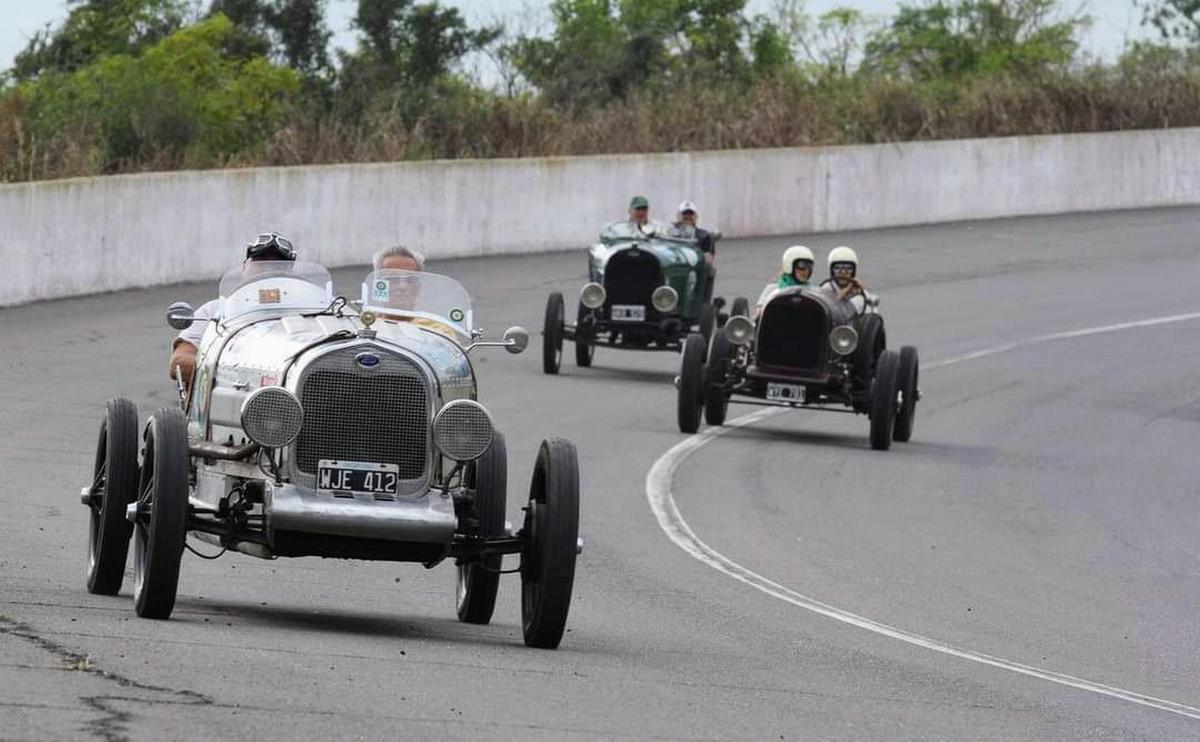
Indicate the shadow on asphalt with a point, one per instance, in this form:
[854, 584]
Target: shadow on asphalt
[633, 375]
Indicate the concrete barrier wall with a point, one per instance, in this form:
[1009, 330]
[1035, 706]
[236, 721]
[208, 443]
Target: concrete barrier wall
[64, 238]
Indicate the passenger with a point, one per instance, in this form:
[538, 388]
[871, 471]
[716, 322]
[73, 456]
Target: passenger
[795, 270]
[843, 280]
[405, 290]
[685, 226]
[267, 248]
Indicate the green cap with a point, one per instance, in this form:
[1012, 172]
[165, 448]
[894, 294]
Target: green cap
[639, 202]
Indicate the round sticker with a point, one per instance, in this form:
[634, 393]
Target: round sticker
[457, 315]
[381, 285]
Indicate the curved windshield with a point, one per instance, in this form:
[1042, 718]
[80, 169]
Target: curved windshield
[619, 231]
[413, 294]
[274, 285]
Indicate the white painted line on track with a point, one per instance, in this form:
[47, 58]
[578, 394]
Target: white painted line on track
[662, 503]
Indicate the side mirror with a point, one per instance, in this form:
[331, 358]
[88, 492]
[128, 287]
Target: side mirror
[180, 315]
[716, 235]
[515, 339]
[873, 301]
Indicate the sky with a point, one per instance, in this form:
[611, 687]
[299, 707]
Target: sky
[1114, 20]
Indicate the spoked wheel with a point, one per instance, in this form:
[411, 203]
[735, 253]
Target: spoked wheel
[691, 383]
[715, 402]
[707, 320]
[114, 485]
[478, 581]
[883, 399]
[585, 348]
[551, 543]
[909, 395]
[162, 514]
[552, 334]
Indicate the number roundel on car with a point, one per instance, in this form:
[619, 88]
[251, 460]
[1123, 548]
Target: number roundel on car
[457, 314]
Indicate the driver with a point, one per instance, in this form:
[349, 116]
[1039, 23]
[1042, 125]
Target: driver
[795, 270]
[268, 247]
[639, 212]
[843, 280]
[685, 226]
[404, 290]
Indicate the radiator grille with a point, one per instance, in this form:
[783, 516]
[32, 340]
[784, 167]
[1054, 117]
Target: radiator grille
[378, 414]
[630, 278]
[793, 333]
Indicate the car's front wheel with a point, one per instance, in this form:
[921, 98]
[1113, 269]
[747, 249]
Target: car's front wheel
[585, 346]
[716, 403]
[551, 535]
[909, 393]
[552, 334]
[478, 581]
[114, 486]
[707, 320]
[883, 399]
[691, 383]
[161, 524]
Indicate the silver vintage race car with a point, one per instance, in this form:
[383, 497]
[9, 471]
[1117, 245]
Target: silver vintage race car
[314, 429]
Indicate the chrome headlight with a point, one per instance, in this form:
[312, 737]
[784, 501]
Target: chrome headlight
[463, 430]
[593, 295]
[739, 329]
[272, 416]
[664, 298]
[843, 339]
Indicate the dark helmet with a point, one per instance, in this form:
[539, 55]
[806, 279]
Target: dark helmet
[271, 246]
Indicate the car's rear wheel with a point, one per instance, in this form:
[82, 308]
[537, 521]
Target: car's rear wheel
[552, 334]
[691, 383]
[585, 346]
[479, 581]
[716, 403]
[114, 485]
[551, 536]
[909, 395]
[883, 399]
[707, 320]
[161, 525]
[872, 340]
[741, 307]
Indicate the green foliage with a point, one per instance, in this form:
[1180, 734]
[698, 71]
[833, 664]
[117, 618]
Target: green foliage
[943, 40]
[94, 28]
[181, 100]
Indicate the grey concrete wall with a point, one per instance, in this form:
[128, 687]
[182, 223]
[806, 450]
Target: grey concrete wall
[64, 238]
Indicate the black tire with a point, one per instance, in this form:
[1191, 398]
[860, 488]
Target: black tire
[715, 402]
[872, 340]
[552, 334]
[691, 383]
[478, 582]
[551, 536]
[707, 321]
[114, 485]
[162, 523]
[883, 400]
[741, 307]
[585, 349]
[907, 383]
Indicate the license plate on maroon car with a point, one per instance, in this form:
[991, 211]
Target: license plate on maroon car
[628, 313]
[785, 392]
[357, 477]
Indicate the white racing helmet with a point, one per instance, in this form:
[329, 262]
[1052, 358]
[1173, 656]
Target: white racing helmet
[794, 253]
[843, 254]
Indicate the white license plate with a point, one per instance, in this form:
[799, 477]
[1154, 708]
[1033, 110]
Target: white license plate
[628, 313]
[785, 392]
[357, 477]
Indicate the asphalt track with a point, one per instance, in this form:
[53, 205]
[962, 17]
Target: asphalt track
[1046, 513]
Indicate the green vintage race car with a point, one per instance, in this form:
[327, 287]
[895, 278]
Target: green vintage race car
[647, 289]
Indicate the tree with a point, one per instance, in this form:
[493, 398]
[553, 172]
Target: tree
[94, 28]
[291, 31]
[1174, 19]
[975, 36]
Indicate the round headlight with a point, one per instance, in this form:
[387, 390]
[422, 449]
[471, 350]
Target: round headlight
[843, 339]
[664, 298]
[463, 430]
[739, 329]
[593, 295]
[272, 416]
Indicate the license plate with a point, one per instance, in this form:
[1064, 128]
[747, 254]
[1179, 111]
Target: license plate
[785, 392]
[357, 477]
[628, 313]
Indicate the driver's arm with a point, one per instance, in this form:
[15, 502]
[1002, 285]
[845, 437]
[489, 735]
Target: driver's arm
[183, 357]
